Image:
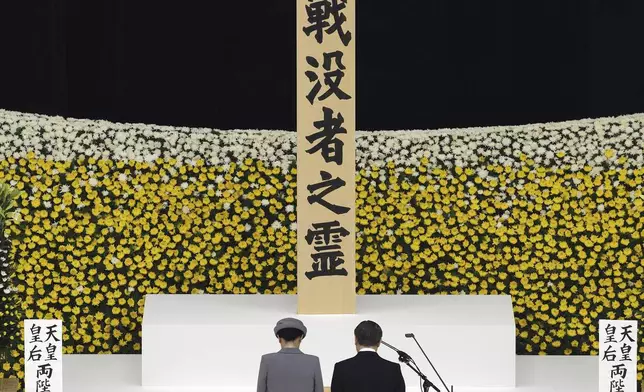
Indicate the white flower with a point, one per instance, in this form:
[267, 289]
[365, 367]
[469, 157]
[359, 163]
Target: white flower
[185, 210]
[265, 202]
[293, 226]
[123, 177]
[595, 171]
[93, 182]
[276, 225]
[290, 208]
[582, 142]
[226, 206]
[247, 227]
[16, 217]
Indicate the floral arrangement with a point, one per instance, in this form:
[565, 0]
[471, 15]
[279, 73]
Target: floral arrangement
[549, 213]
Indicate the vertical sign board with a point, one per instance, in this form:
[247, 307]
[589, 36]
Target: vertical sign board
[9, 385]
[617, 356]
[326, 156]
[43, 356]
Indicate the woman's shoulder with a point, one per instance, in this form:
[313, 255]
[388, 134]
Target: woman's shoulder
[311, 357]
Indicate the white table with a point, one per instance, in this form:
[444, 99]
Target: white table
[216, 341]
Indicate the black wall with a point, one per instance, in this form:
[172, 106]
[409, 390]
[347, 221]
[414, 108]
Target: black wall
[421, 63]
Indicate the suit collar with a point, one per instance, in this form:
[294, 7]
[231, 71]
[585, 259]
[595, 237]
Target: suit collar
[289, 350]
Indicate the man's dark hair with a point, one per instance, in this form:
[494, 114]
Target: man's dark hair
[289, 334]
[368, 334]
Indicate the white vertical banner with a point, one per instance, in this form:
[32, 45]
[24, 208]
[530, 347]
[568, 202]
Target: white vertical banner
[43, 356]
[617, 356]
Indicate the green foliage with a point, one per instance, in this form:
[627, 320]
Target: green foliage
[9, 307]
[8, 196]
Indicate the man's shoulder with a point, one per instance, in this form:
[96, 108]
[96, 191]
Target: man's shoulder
[347, 362]
[357, 359]
[388, 363]
[393, 365]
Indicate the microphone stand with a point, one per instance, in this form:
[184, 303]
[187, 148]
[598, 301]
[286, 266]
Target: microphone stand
[407, 360]
[411, 335]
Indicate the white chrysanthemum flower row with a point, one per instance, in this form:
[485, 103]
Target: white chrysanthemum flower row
[598, 143]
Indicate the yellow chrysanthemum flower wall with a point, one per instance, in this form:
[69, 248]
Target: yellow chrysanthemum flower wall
[550, 214]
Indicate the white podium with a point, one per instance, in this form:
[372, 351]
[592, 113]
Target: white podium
[215, 341]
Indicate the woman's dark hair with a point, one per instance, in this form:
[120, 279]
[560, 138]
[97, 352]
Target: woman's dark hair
[289, 334]
[368, 334]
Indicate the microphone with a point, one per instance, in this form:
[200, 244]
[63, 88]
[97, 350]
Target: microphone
[402, 356]
[407, 360]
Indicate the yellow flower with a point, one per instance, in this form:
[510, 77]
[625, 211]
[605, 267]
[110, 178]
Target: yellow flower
[444, 231]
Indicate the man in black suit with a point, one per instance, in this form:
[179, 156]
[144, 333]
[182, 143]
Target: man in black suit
[367, 372]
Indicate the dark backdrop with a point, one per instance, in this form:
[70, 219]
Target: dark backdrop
[230, 64]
